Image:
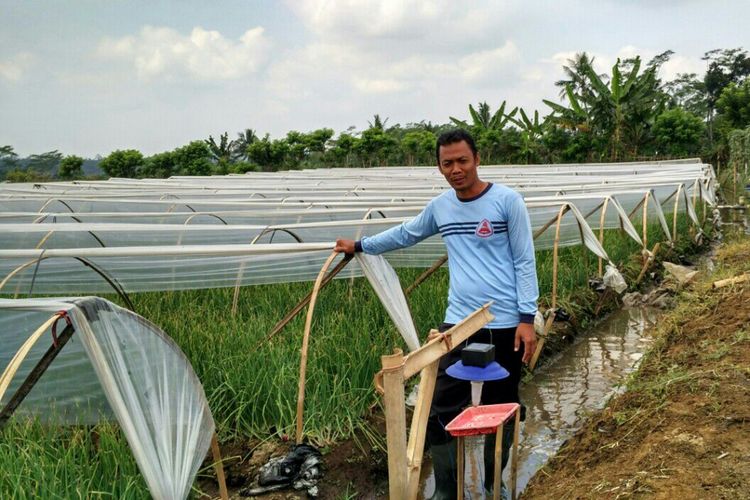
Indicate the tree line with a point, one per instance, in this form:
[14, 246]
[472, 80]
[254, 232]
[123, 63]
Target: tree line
[628, 113]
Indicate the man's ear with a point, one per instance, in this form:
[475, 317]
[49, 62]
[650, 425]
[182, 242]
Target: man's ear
[476, 158]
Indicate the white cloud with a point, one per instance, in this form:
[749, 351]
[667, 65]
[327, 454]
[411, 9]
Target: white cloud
[13, 69]
[490, 65]
[202, 54]
[603, 62]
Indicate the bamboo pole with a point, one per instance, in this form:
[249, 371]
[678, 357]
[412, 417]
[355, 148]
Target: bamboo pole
[645, 221]
[35, 374]
[551, 317]
[731, 281]
[395, 422]
[305, 342]
[601, 234]
[306, 300]
[21, 354]
[219, 467]
[674, 213]
[422, 277]
[648, 262]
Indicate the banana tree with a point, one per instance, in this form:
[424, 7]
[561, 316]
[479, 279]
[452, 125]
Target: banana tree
[619, 112]
[531, 134]
[483, 119]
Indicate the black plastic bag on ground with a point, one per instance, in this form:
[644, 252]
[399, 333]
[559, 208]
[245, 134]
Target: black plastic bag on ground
[300, 469]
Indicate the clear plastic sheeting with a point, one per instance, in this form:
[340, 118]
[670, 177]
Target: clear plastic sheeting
[387, 286]
[117, 356]
[197, 232]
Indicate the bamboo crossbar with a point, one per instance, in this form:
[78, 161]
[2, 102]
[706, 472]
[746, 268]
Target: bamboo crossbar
[422, 277]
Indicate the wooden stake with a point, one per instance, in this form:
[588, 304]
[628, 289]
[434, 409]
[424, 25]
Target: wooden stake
[305, 342]
[460, 460]
[551, 318]
[497, 473]
[674, 214]
[645, 221]
[395, 422]
[514, 463]
[417, 432]
[647, 264]
[422, 277]
[601, 233]
[219, 467]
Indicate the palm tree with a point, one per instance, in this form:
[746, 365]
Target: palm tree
[243, 140]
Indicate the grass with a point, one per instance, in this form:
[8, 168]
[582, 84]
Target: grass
[252, 387]
[39, 461]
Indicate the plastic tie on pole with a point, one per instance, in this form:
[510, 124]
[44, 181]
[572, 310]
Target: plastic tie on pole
[60, 315]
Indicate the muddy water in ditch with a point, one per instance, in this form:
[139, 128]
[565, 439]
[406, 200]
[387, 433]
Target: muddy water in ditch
[572, 385]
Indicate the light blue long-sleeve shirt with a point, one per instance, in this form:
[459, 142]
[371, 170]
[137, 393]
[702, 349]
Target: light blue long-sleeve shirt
[490, 252]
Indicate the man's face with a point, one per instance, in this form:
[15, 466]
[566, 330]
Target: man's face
[458, 164]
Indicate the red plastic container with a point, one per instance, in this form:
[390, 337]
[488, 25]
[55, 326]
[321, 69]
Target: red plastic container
[484, 419]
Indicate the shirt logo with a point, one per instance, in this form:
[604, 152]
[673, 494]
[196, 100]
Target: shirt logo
[484, 229]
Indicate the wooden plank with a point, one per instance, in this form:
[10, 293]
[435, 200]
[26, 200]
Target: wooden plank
[417, 432]
[514, 463]
[435, 348]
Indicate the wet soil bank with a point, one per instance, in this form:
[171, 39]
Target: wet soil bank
[682, 427]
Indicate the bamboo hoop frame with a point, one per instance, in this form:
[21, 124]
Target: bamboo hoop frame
[553, 302]
[22, 352]
[674, 213]
[600, 268]
[305, 345]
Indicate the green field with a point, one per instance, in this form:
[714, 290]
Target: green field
[252, 386]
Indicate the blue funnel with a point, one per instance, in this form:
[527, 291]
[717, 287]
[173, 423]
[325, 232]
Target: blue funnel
[493, 371]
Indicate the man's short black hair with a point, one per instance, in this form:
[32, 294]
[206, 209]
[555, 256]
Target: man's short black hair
[452, 137]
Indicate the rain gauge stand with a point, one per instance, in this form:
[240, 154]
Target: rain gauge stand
[477, 365]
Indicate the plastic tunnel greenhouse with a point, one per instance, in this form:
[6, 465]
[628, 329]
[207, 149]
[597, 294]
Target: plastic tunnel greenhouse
[124, 236]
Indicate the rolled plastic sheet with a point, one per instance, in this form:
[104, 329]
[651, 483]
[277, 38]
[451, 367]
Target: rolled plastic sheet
[116, 364]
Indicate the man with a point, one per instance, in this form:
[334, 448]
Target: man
[487, 232]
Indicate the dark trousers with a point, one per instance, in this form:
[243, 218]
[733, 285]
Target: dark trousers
[452, 396]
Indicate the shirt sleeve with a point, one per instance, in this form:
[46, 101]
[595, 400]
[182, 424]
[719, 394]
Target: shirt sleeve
[404, 235]
[524, 262]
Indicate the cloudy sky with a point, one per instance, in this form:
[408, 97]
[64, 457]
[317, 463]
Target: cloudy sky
[88, 76]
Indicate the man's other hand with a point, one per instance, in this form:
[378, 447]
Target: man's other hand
[344, 246]
[525, 333]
